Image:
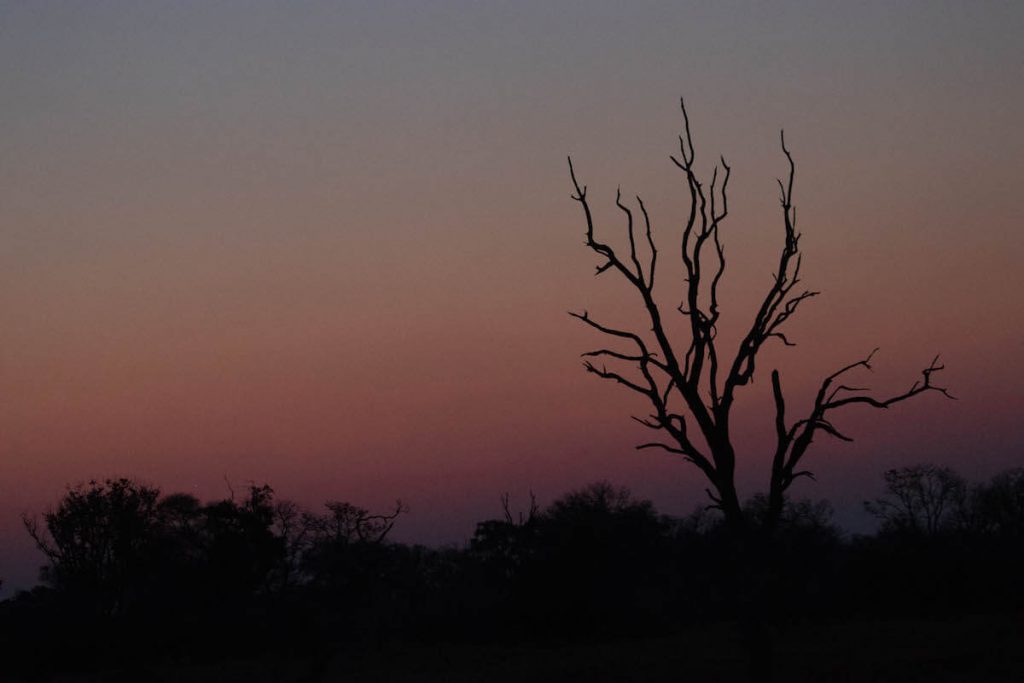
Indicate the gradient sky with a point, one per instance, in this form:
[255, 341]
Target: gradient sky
[330, 246]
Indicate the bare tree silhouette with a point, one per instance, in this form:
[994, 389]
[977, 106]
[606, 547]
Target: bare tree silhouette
[690, 385]
[922, 499]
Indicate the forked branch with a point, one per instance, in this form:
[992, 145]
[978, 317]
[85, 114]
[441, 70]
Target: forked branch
[793, 442]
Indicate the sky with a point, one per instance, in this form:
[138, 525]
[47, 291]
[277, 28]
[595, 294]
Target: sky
[331, 246]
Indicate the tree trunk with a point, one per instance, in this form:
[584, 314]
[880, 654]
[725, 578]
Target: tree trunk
[757, 592]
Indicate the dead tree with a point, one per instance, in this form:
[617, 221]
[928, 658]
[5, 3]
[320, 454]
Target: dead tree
[691, 387]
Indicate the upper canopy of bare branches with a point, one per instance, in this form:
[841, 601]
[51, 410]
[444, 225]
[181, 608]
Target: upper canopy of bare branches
[691, 381]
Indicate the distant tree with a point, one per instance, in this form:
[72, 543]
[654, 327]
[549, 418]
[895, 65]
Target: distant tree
[922, 500]
[239, 550]
[100, 541]
[603, 540]
[689, 383]
[182, 526]
[801, 515]
[606, 520]
[289, 526]
[998, 506]
[348, 523]
[505, 545]
[118, 545]
[592, 561]
[346, 546]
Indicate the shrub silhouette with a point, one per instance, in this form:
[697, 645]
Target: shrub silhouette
[100, 543]
[921, 500]
[999, 505]
[133, 576]
[589, 563]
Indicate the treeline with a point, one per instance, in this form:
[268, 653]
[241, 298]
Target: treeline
[132, 573]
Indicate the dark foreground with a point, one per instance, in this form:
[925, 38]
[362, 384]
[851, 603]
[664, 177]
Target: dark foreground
[140, 586]
[980, 648]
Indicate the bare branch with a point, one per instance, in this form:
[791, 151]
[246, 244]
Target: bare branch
[799, 437]
[623, 334]
[632, 240]
[32, 527]
[915, 389]
[604, 373]
[647, 423]
[670, 449]
[650, 243]
[614, 354]
[777, 305]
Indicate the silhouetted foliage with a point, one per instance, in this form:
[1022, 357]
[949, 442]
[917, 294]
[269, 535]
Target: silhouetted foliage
[135, 577]
[998, 506]
[922, 499]
[600, 550]
[100, 543]
[207, 576]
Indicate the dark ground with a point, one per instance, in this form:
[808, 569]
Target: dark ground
[596, 587]
[969, 649]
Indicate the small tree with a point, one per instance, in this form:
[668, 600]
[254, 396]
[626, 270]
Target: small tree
[689, 384]
[347, 546]
[99, 542]
[921, 500]
[999, 505]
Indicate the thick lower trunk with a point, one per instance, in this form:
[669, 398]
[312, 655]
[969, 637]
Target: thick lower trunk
[756, 593]
[776, 505]
[733, 513]
[752, 572]
[728, 498]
